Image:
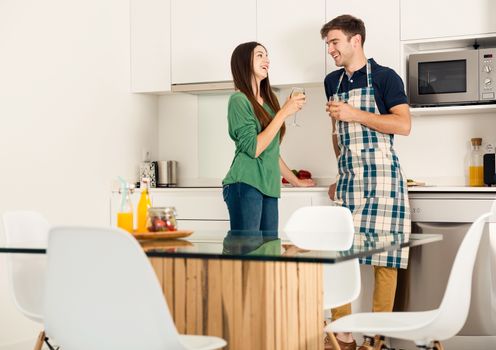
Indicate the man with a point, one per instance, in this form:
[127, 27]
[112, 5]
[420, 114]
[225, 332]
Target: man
[368, 106]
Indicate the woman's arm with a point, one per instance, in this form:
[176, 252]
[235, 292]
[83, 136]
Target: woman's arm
[292, 179]
[291, 106]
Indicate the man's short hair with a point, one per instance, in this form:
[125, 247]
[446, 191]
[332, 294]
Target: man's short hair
[348, 24]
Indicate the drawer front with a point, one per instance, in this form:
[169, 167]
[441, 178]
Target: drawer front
[213, 226]
[448, 210]
[205, 205]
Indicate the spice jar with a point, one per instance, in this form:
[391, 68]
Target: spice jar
[161, 219]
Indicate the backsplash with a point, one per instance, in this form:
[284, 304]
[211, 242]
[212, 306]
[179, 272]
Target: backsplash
[193, 130]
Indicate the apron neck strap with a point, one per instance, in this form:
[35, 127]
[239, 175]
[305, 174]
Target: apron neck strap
[368, 72]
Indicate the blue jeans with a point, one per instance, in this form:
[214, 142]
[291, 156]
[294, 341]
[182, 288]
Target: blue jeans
[249, 209]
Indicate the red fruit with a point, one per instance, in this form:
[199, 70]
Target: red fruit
[304, 174]
[170, 226]
[284, 181]
[159, 224]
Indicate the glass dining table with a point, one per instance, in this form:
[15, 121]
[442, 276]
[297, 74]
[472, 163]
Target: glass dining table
[251, 288]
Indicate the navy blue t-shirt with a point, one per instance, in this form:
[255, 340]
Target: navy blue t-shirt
[389, 90]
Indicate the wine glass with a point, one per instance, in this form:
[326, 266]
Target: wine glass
[296, 91]
[335, 98]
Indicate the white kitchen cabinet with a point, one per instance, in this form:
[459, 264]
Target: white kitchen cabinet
[382, 24]
[190, 203]
[150, 45]
[421, 19]
[204, 208]
[290, 30]
[204, 34]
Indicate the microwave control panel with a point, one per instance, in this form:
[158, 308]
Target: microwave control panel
[487, 74]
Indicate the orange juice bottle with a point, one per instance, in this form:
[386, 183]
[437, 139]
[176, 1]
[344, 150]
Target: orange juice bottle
[125, 218]
[475, 170]
[125, 221]
[143, 205]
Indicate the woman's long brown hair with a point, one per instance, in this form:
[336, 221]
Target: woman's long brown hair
[242, 72]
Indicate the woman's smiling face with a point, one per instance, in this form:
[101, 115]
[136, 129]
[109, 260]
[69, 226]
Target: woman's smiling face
[260, 63]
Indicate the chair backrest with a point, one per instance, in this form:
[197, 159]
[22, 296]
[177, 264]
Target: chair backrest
[492, 257]
[26, 227]
[454, 307]
[328, 228]
[325, 227]
[342, 283]
[27, 272]
[102, 293]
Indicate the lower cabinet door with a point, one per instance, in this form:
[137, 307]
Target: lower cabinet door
[212, 226]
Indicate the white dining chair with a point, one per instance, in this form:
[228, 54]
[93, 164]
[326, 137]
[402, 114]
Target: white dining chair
[328, 228]
[26, 273]
[427, 328]
[103, 294]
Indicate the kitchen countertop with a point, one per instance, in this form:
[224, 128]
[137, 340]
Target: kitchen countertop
[451, 189]
[322, 186]
[209, 188]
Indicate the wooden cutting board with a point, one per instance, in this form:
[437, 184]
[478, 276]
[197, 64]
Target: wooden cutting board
[163, 234]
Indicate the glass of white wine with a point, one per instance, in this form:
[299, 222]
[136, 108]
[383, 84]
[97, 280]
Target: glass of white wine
[335, 98]
[296, 91]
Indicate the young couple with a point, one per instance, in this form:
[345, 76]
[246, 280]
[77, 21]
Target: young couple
[371, 108]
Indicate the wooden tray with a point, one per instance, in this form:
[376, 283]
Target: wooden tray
[164, 244]
[163, 234]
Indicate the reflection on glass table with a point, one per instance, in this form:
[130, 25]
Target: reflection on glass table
[252, 245]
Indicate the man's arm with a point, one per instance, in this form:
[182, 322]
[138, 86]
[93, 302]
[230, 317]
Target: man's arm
[397, 122]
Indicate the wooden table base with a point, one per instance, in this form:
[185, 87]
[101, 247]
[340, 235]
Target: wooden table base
[251, 304]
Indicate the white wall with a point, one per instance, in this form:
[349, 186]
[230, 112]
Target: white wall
[69, 124]
[178, 130]
[436, 151]
[309, 146]
[210, 152]
[438, 148]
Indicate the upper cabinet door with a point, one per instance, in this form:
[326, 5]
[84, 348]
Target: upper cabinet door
[421, 19]
[382, 24]
[290, 30]
[150, 45]
[204, 34]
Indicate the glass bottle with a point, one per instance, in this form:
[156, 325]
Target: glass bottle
[125, 219]
[476, 172]
[143, 205]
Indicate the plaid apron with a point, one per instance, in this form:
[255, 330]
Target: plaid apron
[370, 182]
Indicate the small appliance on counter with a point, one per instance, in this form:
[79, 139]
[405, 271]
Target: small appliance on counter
[167, 173]
[148, 170]
[490, 166]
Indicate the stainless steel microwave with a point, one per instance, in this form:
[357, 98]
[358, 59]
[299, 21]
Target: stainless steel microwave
[452, 78]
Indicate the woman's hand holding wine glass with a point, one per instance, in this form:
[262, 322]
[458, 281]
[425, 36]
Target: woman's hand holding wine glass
[295, 102]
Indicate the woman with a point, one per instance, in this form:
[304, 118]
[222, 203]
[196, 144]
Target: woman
[256, 125]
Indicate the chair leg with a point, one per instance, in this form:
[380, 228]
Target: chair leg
[333, 341]
[39, 341]
[379, 343]
[438, 345]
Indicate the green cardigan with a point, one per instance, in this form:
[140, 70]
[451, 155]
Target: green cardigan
[261, 172]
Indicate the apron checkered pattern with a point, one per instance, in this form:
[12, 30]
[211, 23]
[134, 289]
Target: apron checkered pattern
[370, 182]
